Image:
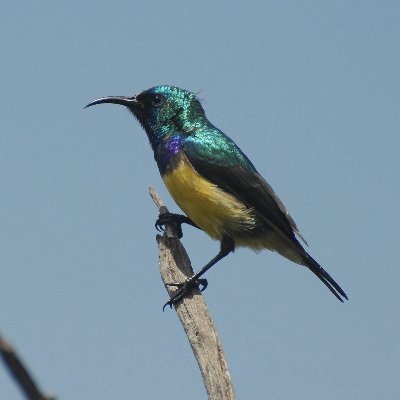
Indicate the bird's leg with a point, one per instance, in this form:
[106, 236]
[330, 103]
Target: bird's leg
[200, 282]
[176, 219]
[227, 246]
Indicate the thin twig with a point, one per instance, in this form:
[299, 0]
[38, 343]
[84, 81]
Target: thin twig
[20, 373]
[193, 313]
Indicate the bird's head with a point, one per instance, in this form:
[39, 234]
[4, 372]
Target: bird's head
[162, 110]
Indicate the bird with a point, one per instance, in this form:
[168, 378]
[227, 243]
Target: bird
[214, 183]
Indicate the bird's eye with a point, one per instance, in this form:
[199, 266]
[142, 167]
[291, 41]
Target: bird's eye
[157, 100]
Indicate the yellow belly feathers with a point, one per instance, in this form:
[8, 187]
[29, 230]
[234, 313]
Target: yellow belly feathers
[213, 210]
[218, 213]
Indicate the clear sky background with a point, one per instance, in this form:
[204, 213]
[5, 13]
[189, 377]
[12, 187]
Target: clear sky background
[308, 89]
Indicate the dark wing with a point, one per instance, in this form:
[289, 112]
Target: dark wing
[224, 164]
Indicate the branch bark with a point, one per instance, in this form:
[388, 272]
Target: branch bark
[193, 313]
[20, 373]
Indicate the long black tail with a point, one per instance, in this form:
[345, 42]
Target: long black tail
[325, 278]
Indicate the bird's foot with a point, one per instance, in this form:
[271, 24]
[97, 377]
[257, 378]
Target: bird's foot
[185, 288]
[170, 218]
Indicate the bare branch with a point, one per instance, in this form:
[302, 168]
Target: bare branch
[194, 314]
[20, 373]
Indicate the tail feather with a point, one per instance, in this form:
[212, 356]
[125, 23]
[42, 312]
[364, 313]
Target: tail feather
[325, 278]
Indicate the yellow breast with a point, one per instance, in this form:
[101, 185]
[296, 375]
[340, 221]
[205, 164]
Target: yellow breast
[216, 212]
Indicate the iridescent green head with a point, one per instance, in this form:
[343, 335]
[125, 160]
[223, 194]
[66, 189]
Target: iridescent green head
[162, 110]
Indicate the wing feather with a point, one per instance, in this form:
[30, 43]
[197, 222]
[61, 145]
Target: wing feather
[228, 168]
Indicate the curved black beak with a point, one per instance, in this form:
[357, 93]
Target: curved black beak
[122, 100]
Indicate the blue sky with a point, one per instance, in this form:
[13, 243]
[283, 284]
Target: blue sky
[309, 90]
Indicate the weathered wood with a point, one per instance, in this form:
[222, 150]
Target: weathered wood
[194, 314]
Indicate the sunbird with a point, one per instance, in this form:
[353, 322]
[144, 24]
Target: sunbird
[214, 183]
